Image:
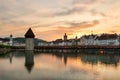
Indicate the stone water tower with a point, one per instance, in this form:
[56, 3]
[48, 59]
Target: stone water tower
[29, 39]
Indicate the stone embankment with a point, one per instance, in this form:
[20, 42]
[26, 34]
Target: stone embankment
[4, 50]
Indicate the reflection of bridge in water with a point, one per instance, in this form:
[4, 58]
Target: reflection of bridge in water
[86, 58]
[92, 59]
[78, 47]
[70, 47]
[104, 59]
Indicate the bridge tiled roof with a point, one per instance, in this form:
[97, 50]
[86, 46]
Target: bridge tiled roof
[108, 36]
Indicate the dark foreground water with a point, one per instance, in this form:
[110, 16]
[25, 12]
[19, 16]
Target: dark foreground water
[59, 66]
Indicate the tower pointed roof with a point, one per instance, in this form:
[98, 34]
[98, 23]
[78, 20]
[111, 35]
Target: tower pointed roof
[29, 34]
[76, 37]
[11, 35]
[65, 35]
[29, 67]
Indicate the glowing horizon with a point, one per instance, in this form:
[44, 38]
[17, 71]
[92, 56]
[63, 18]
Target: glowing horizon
[50, 19]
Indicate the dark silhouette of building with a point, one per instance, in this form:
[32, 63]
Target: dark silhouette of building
[11, 35]
[65, 37]
[76, 41]
[29, 34]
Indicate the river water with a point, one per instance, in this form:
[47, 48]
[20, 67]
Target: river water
[59, 66]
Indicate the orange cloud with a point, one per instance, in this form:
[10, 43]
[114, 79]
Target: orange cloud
[71, 30]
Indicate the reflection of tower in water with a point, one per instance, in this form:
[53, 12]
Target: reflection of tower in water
[65, 59]
[29, 60]
[10, 57]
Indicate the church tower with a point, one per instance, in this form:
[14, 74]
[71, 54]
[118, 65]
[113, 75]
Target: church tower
[11, 40]
[29, 39]
[65, 37]
[76, 41]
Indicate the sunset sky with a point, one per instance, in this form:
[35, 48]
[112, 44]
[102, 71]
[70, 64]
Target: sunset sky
[50, 19]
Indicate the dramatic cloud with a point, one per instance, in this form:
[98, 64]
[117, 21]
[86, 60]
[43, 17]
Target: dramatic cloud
[84, 24]
[55, 17]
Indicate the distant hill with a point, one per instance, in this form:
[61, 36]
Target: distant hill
[22, 40]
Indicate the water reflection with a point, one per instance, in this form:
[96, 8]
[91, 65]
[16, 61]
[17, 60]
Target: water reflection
[92, 59]
[59, 66]
[10, 57]
[65, 59]
[29, 60]
[103, 59]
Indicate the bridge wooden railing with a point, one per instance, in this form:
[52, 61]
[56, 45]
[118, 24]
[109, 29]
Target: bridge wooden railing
[77, 47]
[70, 47]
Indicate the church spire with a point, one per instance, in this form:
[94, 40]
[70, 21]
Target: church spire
[65, 37]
